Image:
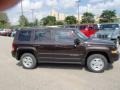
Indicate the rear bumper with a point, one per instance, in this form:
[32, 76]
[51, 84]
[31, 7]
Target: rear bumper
[14, 54]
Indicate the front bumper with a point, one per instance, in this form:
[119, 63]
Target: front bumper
[114, 57]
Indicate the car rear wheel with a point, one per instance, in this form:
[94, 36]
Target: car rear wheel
[97, 63]
[28, 61]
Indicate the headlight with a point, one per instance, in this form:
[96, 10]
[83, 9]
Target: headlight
[114, 49]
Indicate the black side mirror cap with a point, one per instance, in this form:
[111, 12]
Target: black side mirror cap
[77, 41]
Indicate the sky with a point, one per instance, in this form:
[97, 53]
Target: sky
[43, 8]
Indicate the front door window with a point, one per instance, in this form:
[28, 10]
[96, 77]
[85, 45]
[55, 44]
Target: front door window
[65, 37]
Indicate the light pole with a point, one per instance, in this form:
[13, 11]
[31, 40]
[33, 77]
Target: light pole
[78, 6]
[21, 7]
[32, 13]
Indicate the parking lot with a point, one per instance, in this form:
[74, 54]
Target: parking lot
[52, 76]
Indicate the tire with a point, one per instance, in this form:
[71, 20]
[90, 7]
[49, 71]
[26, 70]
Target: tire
[28, 61]
[97, 63]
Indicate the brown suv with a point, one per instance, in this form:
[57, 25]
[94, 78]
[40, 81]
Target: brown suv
[62, 45]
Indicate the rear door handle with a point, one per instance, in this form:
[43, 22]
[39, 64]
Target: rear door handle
[75, 46]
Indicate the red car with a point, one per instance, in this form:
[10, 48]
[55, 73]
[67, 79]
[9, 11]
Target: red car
[88, 30]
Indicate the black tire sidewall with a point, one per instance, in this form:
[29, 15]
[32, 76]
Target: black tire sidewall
[91, 57]
[33, 58]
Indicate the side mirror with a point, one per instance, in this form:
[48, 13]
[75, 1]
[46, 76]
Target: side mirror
[77, 41]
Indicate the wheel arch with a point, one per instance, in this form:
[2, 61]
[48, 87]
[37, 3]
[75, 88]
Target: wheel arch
[97, 52]
[21, 51]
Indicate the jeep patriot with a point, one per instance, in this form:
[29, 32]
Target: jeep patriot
[60, 45]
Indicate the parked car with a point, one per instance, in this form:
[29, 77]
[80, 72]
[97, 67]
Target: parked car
[109, 32]
[70, 26]
[5, 32]
[9, 32]
[14, 31]
[88, 30]
[62, 45]
[0, 31]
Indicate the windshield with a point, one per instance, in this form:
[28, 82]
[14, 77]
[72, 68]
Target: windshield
[109, 26]
[81, 35]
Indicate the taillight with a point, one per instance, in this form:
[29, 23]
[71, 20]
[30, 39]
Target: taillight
[13, 47]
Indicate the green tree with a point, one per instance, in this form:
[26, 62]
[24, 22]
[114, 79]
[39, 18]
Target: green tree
[71, 20]
[4, 22]
[23, 21]
[31, 24]
[36, 22]
[59, 23]
[87, 18]
[49, 20]
[108, 16]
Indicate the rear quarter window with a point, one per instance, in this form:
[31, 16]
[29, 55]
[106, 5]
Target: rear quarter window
[24, 35]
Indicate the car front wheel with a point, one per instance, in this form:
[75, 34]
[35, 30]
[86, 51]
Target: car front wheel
[28, 61]
[97, 63]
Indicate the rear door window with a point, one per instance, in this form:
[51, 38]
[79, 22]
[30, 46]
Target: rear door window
[24, 35]
[43, 36]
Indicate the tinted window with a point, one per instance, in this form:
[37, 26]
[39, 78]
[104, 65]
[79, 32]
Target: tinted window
[24, 36]
[82, 27]
[70, 26]
[43, 35]
[105, 26]
[95, 27]
[64, 36]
